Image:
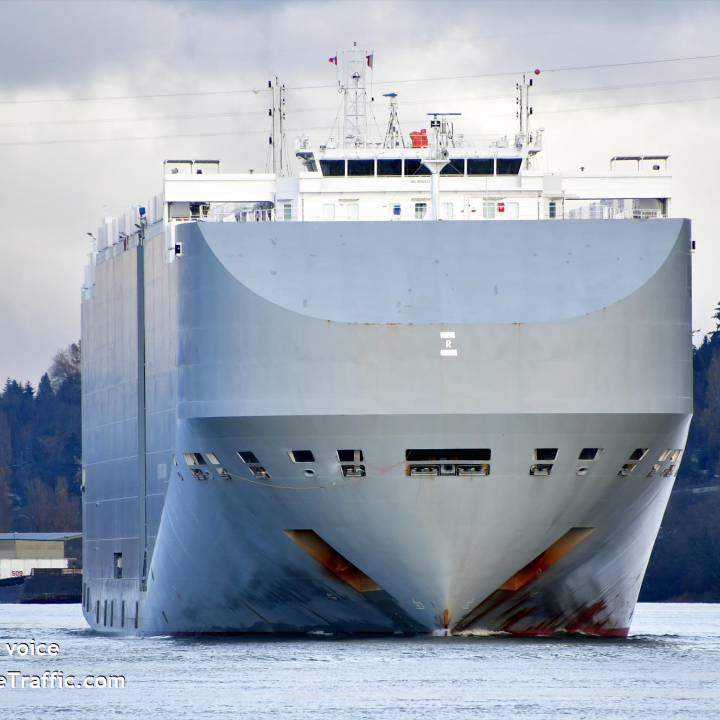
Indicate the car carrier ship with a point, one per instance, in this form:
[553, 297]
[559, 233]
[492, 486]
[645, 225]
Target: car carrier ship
[421, 386]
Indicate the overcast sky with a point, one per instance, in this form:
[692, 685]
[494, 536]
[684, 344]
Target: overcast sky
[62, 162]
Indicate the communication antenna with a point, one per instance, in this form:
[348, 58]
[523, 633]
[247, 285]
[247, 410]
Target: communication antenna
[355, 101]
[393, 136]
[277, 137]
[524, 110]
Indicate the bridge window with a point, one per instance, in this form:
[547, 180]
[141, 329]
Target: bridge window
[415, 167]
[389, 168]
[508, 166]
[420, 210]
[488, 210]
[353, 211]
[287, 212]
[480, 166]
[456, 166]
[333, 168]
[361, 168]
[447, 209]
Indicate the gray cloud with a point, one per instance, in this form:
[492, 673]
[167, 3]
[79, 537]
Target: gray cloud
[52, 194]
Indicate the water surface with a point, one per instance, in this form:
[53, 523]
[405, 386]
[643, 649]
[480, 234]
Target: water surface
[668, 666]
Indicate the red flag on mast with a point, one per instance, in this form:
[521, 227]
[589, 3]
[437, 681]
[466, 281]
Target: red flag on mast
[369, 59]
[333, 59]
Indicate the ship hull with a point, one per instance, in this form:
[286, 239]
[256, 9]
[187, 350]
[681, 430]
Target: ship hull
[566, 336]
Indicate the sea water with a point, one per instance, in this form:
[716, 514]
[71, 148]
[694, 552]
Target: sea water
[669, 666]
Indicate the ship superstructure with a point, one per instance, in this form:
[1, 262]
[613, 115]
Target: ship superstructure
[419, 386]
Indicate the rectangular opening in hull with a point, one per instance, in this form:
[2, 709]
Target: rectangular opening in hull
[458, 454]
[248, 457]
[301, 456]
[546, 454]
[353, 470]
[541, 470]
[420, 470]
[336, 563]
[481, 469]
[350, 456]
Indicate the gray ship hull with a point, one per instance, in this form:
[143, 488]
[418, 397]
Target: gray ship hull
[273, 338]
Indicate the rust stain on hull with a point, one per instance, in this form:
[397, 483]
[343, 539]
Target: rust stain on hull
[336, 563]
[518, 610]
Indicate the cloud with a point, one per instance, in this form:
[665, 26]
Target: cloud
[53, 194]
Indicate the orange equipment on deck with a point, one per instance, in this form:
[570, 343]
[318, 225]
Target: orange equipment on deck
[419, 139]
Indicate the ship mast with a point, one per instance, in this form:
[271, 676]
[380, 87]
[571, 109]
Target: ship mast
[277, 138]
[524, 110]
[355, 102]
[438, 157]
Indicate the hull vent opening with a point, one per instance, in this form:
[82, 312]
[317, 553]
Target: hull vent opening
[638, 455]
[248, 457]
[545, 454]
[350, 456]
[212, 458]
[626, 469]
[353, 470]
[301, 456]
[223, 473]
[422, 470]
[336, 563]
[194, 459]
[479, 469]
[590, 453]
[445, 455]
[260, 472]
[198, 474]
[540, 470]
[655, 470]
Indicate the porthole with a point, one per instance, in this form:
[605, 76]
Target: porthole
[309, 473]
[582, 471]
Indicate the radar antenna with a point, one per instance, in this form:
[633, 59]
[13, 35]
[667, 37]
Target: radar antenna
[393, 136]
